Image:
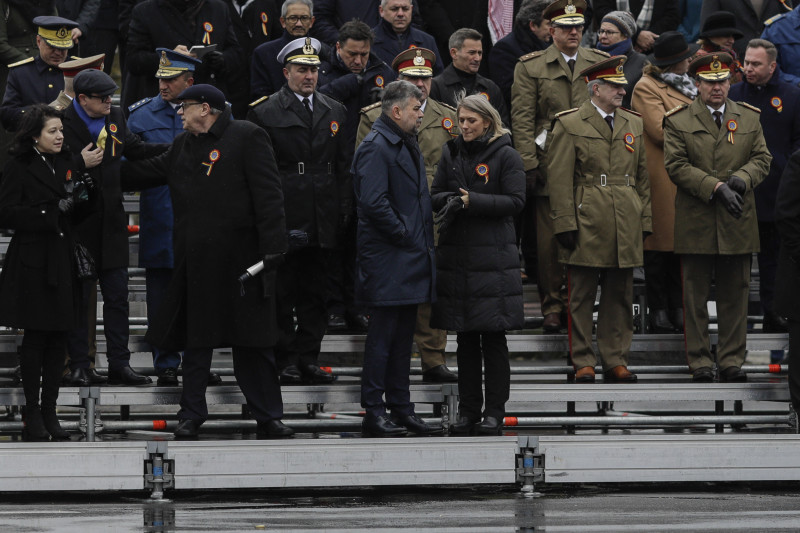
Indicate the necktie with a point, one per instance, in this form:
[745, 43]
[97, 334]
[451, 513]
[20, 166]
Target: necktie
[307, 105]
[718, 118]
[610, 121]
[571, 64]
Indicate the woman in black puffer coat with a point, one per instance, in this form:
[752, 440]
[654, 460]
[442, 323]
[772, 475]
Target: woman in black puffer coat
[478, 188]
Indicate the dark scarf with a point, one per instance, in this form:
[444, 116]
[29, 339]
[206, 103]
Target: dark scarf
[31, 9]
[618, 49]
[467, 79]
[409, 139]
[188, 10]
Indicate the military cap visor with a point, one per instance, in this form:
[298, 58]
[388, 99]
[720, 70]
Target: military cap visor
[565, 13]
[56, 31]
[609, 71]
[73, 67]
[415, 63]
[711, 67]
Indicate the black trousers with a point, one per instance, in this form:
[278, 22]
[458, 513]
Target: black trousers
[42, 356]
[769, 239]
[490, 350]
[301, 290]
[341, 269]
[255, 372]
[387, 360]
[794, 363]
[662, 273]
[101, 41]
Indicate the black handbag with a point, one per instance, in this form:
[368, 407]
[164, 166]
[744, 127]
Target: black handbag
[84, 263]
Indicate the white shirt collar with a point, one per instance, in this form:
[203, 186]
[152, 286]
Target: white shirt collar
[712, 110]
[602, 113]
[310, 99]
[567, 58]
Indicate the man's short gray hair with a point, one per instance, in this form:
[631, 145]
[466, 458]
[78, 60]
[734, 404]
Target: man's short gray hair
[308, 3]
[591, 86]
[398, 93]
[459, 36]
[769, 48]
[531, 11]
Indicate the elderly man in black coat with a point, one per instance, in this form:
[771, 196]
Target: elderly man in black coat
[395, 268]
[228, 204]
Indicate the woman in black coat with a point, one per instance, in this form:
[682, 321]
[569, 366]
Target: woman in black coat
[38, 284]
[478, 188]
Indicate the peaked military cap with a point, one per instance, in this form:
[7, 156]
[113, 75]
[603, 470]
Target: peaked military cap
[172, 64]
[302, 51]
[72, 67]
[56, 31]
[415, 62]
[565, 13]
[609, 70]
[711, 67]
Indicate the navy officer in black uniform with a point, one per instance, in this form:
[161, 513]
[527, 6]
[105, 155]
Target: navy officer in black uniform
[38, 80]
[305, 127]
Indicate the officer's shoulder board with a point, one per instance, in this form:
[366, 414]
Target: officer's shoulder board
[447, 106]
[675, 110]
[631, 111]
[537, 53]
[18, 63]
[748, 106]
[566, 112]
[773, 19]
[140, 103]
[370, 107]
[600, 52]
[258, 101]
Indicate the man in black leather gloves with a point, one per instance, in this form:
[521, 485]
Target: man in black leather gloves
[714, 151]
[228, 205]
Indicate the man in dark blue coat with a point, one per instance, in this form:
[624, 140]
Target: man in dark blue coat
[331, 14]
[395, 268]
[780, 119]
[394, 33]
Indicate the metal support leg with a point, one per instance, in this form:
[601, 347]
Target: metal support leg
[450, 406]
[159, 471]
[90, 398]
[719, 410]
[531, 469]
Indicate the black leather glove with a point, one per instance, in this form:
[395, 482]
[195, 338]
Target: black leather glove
[568, 239]
[271, 261]
[445, 216]
[730, 199]
[88, 180]
[65, 205]
[532, 177]
[214, 60]
[375, 94]
[737, 184]
[80, 192]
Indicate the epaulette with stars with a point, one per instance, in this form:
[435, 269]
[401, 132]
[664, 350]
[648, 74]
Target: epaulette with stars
[140, 103]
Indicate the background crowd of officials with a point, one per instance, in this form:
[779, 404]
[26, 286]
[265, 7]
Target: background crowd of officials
[320, 137]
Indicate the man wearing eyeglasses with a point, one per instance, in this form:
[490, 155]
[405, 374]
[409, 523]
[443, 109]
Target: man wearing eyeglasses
[266, 72]
[98, 137]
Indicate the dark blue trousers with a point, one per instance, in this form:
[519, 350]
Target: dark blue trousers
[256, 374]
[387, 360]
[156, 283]
[114, 287]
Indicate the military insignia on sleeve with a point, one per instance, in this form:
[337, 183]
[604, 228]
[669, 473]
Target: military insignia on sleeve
[213, 157]
[629, 139]
[264, 20]
[732, 126]
[379, 81]
[208, 28]
[777, 103]
[334, 128]
[485, 95]
[483, 171]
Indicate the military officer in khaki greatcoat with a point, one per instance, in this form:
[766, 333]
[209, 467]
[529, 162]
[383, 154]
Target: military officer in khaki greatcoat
[714, 151]
[439, 125]
[545, 83]
[600, 200]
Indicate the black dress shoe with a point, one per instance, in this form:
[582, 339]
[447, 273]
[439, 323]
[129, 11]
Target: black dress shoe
[359, 322]
[127, 376]
[52, 425]
[315, 375]
[660, 322]
[95, 378]
[381, 426]
[188, 429]
[703, 375]
[168, 378]
[463, 426]
[439, 374]
[677, 319]
[274, 429]
[733, 374]
[290, 376]
[336, 322]
[77, 378]
[214, 379]
[552, 323]
[416, 425]
[774, 323]
[491, 425]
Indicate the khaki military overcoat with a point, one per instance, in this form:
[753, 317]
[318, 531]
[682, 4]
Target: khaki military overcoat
[543, 86]
[697, 156]
[599, 187]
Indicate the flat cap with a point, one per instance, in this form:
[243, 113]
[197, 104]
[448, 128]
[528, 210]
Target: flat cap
[172, 64]
[415, 62]
[94, 82]
[565, 13]
[711, 67]
[72, 67]
[302, 51]
[204, 93]
[608, 70]
[56, 31]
